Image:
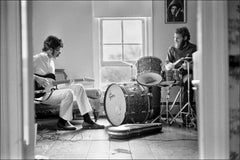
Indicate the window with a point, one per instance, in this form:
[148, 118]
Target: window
[122, 43]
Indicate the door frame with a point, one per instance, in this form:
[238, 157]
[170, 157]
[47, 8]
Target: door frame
[212, 40]
[17, 111]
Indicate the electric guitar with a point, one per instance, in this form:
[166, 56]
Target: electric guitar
[40, 90]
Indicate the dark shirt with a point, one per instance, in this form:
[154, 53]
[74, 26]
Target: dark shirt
[174, 54]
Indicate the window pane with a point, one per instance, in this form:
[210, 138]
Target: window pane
[112, 52]
[116, 74]
[132, 52]
[132, 31]
[111, 31]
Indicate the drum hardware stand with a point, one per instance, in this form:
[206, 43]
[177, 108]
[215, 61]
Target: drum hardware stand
[150, 95]
[188, 104]
[179, 94]
[158, 117]
[168, 110]
[167, 104]
[131, 65]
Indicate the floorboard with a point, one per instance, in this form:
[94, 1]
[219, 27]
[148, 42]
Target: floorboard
[98, 150]
[120, 150]
[140, 149]
[173, 142]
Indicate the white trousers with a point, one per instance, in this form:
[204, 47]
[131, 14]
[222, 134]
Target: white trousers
[65, 95]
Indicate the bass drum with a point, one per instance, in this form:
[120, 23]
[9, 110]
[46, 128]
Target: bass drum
[129, 103]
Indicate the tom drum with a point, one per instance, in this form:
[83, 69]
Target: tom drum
[149, 71]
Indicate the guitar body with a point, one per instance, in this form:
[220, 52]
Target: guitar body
[40, 90]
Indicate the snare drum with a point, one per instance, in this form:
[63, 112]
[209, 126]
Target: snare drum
[149, 71]
[171, 76]
[128, 103]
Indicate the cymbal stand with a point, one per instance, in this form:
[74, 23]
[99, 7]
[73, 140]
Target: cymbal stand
[131, 69]
[168, 110]
[188, 104]
[179, 95]
[167, 104]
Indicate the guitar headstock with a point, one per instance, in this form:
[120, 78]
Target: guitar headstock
[88, 79]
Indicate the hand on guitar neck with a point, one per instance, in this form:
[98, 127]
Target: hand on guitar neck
[55, 83]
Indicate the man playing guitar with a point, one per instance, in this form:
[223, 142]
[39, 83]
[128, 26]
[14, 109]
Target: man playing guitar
[44, 68]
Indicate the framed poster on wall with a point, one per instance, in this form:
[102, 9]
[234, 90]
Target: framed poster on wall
[175, 11]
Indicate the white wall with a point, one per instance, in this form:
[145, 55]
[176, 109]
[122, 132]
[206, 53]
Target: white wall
[122, 8]
[72, 22]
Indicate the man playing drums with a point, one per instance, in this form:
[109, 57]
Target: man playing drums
[176, 56]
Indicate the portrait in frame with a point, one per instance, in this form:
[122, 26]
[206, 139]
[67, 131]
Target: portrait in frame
[175, 11]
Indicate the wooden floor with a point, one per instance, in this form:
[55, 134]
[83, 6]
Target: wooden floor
[173, 142]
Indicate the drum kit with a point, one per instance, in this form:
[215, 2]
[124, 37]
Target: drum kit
[138, 102]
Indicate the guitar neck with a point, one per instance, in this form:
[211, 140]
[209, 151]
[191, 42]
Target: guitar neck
[74, 80]
[54, 83]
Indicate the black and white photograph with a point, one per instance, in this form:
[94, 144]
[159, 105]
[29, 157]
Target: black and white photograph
[175, 11]
[153, 79]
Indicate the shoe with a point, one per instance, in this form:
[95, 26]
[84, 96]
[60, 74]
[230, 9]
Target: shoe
[86, 125]
[66, 126]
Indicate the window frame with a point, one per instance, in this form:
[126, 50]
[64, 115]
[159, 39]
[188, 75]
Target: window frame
[97, 48]
[120, 63]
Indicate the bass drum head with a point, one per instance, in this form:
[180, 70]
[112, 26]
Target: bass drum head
[115, 104]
